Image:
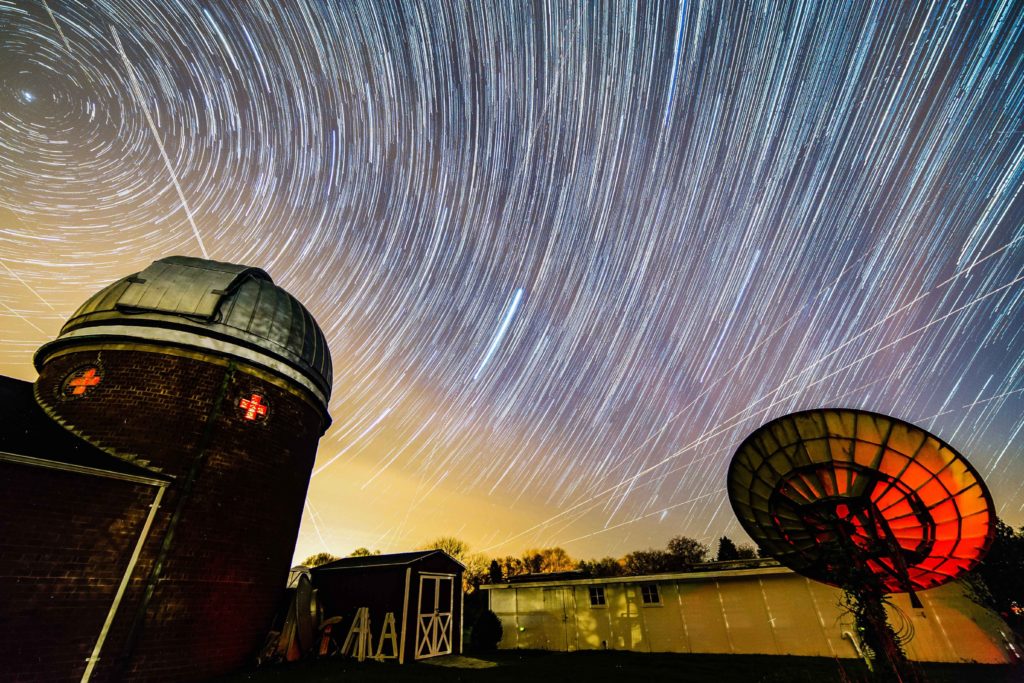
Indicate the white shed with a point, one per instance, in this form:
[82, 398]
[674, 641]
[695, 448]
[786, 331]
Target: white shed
[760, 610]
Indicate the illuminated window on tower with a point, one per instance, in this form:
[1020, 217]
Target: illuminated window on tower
[81, 381]
[254, 408]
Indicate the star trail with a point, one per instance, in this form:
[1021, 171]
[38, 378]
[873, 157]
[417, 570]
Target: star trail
[567, 255]
[506, 320]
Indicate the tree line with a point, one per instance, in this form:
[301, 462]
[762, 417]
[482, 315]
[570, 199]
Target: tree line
[681, 553]
[995, 583]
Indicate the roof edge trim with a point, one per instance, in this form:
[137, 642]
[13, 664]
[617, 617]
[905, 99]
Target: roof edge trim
[79, 469]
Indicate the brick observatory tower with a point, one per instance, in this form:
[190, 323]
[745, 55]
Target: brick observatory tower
[215, 379]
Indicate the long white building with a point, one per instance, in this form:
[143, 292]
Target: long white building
[762, 610]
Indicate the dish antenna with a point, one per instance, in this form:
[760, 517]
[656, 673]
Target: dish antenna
[862, 501]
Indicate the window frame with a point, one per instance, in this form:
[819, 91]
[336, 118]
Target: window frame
[653, 587]
[597, 591]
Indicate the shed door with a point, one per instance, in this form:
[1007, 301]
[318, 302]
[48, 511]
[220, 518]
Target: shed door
[434, 616]
[560, 612]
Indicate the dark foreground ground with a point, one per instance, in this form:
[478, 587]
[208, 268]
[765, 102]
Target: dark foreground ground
[614, 667]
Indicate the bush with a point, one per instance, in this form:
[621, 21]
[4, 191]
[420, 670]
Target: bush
[486, 632]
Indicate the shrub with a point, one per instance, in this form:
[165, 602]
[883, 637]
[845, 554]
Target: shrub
[486, 632]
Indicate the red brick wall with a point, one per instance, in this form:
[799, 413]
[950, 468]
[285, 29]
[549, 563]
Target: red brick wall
[231, 550]
[65, 541]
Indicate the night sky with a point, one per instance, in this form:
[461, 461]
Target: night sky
[567, 256]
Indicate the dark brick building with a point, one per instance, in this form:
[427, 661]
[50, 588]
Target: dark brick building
[153, 477]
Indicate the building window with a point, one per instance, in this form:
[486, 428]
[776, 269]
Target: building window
[81, 381]
[597, 596]
[649, 593]
[255, 407]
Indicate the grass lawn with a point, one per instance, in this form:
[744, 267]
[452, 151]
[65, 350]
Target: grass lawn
[618, 667]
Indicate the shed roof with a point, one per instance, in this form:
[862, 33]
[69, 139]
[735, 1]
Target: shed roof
[393, 559]
[29, 435]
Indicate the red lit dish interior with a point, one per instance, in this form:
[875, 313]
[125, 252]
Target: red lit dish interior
[819, 487]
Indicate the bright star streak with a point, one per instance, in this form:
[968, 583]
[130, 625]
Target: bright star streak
[675, 61]
[156, 138]
[502, 329]
[359, 438]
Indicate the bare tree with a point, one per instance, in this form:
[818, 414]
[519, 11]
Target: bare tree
[548, 560]
[687, 551]
[648, 562]
[476, 572]
[606, 566]
[455, 547]
[512, 566]
[319, 559]
[746, 552]
[475, 563]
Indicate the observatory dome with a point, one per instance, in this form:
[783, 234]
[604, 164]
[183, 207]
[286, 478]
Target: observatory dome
[222, 308]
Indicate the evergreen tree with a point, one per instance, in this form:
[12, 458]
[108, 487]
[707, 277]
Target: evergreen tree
[486, 633]
[727, 550]
[495, 572]
[996, 583]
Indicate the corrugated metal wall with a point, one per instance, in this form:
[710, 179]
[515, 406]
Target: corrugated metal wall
[754, 612]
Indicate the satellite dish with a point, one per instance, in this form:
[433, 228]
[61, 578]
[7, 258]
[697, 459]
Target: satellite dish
[825, 490]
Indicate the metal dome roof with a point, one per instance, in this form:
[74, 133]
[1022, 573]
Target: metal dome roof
[229, 309]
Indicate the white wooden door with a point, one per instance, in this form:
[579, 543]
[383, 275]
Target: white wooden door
[560, 626]
[434, 615]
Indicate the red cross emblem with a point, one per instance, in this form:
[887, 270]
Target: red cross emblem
[253, 407]
[81, 381]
